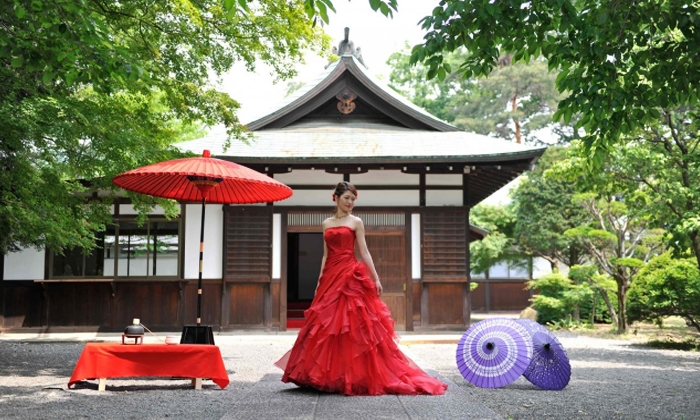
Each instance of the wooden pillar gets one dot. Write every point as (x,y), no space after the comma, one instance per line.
(408,281)
(424,305)
(421,189)
(283,272)
(225,290)
(2,291)
(466,295)
(487,292)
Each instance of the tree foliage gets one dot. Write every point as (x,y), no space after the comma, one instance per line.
(513,103)
(92,89)
(619,240)
(544,210)
(619,62)
(557,297)
(600,285)
(318,9)
(662,157)
(666,287)
(497,246)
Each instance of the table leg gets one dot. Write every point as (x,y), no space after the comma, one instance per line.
(102,384)
(197,383)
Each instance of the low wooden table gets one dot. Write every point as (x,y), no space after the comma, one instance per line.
(115,360)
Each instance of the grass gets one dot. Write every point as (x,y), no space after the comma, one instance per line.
(672,334)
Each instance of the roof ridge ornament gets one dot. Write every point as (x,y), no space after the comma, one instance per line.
(346,98)
(347,48)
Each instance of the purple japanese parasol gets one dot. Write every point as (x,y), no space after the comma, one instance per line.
(549,367)
(494,352)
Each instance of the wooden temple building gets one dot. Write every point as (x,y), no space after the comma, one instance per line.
(417,177)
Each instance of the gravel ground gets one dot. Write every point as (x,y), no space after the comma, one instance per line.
(610,380)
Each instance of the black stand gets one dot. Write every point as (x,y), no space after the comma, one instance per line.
(197,334)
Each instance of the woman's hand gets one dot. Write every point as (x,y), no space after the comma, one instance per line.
(380,289)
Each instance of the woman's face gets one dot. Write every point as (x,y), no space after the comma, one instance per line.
(346,201)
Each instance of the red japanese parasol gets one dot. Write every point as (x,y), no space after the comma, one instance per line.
(193,179)
(204,179)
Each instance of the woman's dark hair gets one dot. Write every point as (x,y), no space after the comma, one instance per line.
(344,186)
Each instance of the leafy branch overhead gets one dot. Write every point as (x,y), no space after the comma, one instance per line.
(92,89)
(619,62)
(319,8)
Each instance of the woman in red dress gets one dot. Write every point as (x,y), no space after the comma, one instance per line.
(348,344)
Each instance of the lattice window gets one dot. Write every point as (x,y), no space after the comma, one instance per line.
(369,219)
(248,240)
(445,244)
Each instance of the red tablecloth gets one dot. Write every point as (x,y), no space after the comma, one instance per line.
(111,360)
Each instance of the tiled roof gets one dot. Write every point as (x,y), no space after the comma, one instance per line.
(360,139)
(335,71)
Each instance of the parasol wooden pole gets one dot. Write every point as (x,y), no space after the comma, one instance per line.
(201,258)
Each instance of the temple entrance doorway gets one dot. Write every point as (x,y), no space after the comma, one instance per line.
(305,251)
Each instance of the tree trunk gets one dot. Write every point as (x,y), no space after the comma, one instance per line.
(695,238)
(692,322)
(595,301)
(622,319)
(606,299)
(514,103)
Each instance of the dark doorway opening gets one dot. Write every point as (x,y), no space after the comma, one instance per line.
(305,251)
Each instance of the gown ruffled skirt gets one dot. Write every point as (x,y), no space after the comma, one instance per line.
(348,344)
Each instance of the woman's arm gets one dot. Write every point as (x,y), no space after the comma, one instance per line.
(364,253)
(323,263)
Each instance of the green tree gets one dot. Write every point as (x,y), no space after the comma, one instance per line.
(557,297)
(619,240)
(514,102)
(666,287)
(91,89)
(318,9)
(663,158)
(619,62)
(498,245)
(600,285)
(544,210)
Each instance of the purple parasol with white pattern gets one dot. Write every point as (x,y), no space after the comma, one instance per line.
(494,352)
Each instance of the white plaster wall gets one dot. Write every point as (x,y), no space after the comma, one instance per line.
(375,198)
(309,177)
(368,198)
(128,209)
(213,241)
(382,177)
(443,179)
(436,198)
(27,264)
(415,246)
(309,198)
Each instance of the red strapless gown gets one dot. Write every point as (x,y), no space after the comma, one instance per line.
(347,344)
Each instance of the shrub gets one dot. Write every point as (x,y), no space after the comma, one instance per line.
(665,287)
(551,301)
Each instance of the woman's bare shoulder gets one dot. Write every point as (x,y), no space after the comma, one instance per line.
(356,222)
